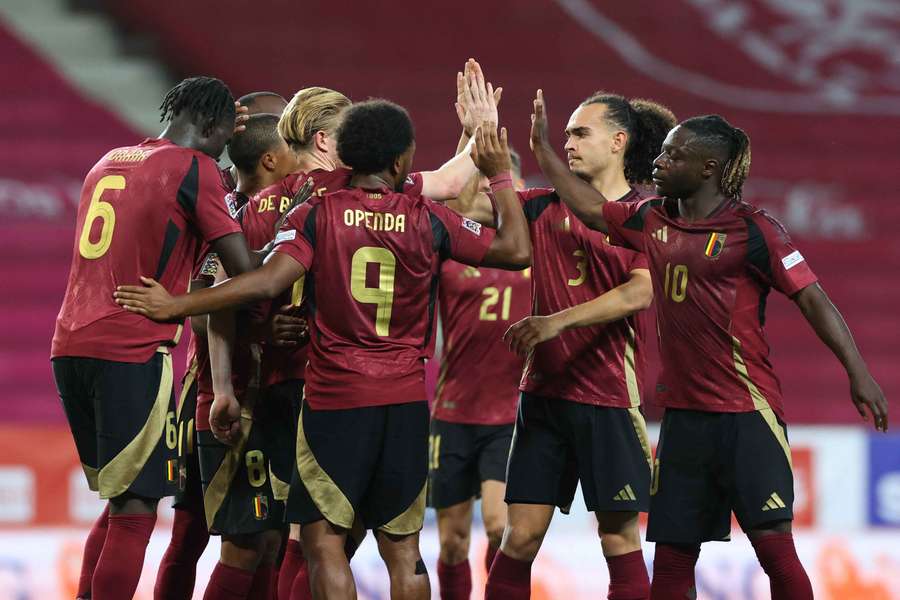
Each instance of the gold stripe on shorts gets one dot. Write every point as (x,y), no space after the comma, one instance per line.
(280,489)
(640,428)
(409,521)
(325,493)
(118,474)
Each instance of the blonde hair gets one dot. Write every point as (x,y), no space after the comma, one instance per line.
(311,110)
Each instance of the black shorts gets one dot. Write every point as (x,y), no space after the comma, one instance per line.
(122,416)
(285,398)
(461,456)
(189,494)
(241,493)
(557,442)
(710,464)
(366,463)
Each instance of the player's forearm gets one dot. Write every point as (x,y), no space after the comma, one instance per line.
(831,328)
(448,181)
(463,143)
(234,254)
(221,334)
(243,289)
(511,248)
(581,198)
(198,322)
(618,303)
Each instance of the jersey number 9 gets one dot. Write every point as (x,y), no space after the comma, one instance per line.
(383,295)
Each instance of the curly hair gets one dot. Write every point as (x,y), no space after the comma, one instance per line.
(373,134)
(646,123)
(720,136)
(207,99)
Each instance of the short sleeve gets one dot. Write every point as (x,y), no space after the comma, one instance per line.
(625,223)
(457,237)
(413,184)
(638,261)
(209,210)
(774,258)
(297,237)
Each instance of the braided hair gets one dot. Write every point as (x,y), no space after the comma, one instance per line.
(720,136)
(647,124)
(207,99)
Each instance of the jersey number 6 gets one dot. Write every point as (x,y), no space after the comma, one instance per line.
(98,209)
(383,295)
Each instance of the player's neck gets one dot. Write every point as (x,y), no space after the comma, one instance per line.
(251,183)
(373,181)
(611,183)
(700,206)
(310,161)
(186,136)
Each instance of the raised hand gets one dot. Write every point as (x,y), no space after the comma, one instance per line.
(866,394)
(539,138)
(490,152)
(523,336)
(225,419)
(288,329)
(151,300)
(476,101)
(241,116)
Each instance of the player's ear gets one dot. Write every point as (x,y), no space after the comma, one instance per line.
(619,141)
(320,141)
(269,161)
(710,168)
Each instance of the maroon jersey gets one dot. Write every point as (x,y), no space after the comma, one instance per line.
(479,378)
(144,210)
(372,259)
(601,365)
(710,279)
(258,221)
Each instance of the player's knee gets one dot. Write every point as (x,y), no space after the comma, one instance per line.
(270,547)
(522,542)
(132,504)
(241,551)
(494,524)
(454,544)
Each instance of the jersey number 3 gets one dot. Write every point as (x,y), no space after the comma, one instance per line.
(383,295)
(98,209)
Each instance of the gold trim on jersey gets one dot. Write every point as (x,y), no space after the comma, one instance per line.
(119,473)
(325,493)
(640,428)
(280,489)
(634,392)
(409,521)
(92,474)
(217,489)
(759,401)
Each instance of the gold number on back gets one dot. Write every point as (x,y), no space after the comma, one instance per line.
(98,209)
(383,295)
(677,280)
(491,298)
(581,265)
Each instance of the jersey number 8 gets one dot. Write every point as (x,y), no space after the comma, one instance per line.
(98,209)
(383,295)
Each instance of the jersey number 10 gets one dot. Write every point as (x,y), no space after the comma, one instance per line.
(675,285)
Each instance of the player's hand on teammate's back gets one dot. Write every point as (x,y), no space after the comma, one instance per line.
(866,393)
(225,419)
(288,329)
(241,116)
(490,153)
(539,137)
(523,336)
(476,101)
(151,300)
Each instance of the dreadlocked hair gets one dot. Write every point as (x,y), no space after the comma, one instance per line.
(646,122)
(721,136)
(207,99)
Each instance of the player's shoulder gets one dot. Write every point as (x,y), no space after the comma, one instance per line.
(538,193)
(760,218)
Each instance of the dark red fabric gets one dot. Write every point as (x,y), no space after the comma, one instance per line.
(265,583)
(119,568)
(509,579)
(673,572)
(787,577)
(291,564)
(178,568)
(228,583)
(93,546)
(628,578)
(455,581)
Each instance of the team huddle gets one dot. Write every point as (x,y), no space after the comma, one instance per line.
(315,273)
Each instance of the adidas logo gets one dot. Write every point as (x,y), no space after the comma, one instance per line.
(625,494)
(661,234)
(774,502)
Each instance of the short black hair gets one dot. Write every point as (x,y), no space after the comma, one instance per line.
(733,144)
(373,134)
(207,99)
(249,99)
(247,147)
